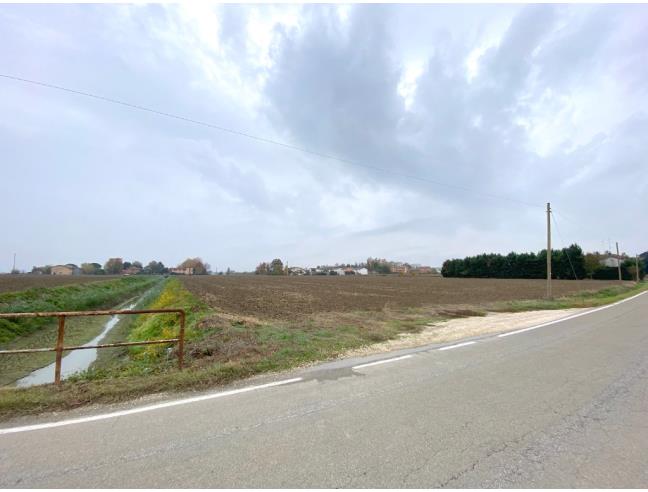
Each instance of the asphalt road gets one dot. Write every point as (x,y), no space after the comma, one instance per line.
(564,405)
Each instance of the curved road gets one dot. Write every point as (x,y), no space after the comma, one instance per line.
(564,405)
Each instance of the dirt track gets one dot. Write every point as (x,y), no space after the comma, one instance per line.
(293,297)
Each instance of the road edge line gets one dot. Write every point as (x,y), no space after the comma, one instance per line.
(148,408)
(383,361)
(573,316)
(457,345)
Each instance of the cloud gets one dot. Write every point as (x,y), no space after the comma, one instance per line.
(534,103)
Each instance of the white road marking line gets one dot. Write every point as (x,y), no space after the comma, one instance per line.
(449,347)
(501,335)
(148,408)
(385,361)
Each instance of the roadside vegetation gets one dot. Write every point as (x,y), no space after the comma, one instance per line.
(585,299)
(223,345)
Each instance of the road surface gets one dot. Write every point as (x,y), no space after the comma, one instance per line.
(563,405)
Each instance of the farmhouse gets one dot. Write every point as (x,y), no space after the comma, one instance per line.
(69,269)
(182,271)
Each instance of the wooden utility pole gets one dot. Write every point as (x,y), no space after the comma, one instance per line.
(637,266)
(548,250)
(13,270)
(618,261)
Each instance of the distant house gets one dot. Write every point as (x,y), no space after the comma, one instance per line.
(402,268)
(297,271)
(349,271)
(362,271)
(181,271)
(69,269)
(131,270)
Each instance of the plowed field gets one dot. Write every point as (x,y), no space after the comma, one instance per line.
(293,297)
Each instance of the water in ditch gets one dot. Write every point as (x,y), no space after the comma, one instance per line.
(75,361)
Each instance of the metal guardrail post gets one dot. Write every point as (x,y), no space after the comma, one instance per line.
(181,341)
(59,349)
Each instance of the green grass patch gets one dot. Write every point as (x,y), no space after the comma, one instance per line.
(79,297)
(78,330)
(583,299)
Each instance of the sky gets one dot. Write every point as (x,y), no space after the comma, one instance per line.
(452,125)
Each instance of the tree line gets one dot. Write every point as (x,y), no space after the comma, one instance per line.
(274,267)
(118,266)
(566,263)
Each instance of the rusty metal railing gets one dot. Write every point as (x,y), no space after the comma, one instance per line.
(60,348)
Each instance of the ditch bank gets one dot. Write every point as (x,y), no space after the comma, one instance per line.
(26,333)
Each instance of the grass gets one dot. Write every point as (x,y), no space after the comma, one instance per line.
(106,294)
(222,348)
(77,332)
(78,297)
(583,299)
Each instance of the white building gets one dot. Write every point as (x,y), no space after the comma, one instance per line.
(611,261)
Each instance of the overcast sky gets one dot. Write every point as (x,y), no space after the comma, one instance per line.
(527,103)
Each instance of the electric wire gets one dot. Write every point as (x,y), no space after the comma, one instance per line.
(566,248)
(265,140)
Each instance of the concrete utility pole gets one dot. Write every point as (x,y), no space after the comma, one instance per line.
(548,250)
(14,264)
(618,261)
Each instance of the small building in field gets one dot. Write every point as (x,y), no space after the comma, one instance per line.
(297,271)
(69,269)
(611,261)
(182,271)
(132,270)
(362,271)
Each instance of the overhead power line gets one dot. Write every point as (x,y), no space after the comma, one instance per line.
(266,140)
(565,246)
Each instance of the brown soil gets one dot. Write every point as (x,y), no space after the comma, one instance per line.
(290,298)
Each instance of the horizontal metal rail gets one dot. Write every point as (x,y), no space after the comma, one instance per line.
(68,314)
(60,348)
